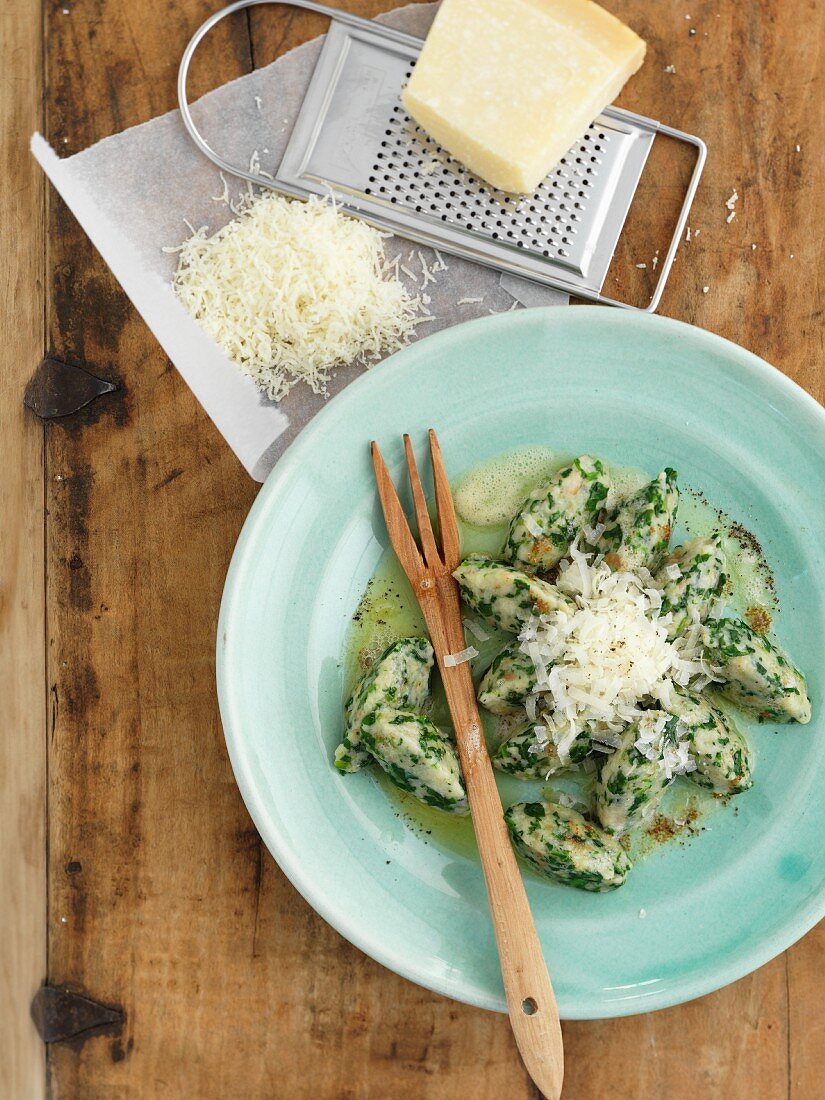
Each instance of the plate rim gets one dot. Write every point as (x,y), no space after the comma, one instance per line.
(286,856)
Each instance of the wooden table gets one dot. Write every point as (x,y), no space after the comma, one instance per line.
(154,894)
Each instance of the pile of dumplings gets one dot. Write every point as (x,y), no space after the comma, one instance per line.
(386,723)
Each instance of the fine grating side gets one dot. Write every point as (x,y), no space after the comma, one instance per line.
(414,171)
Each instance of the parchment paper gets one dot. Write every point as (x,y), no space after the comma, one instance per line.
(134,192)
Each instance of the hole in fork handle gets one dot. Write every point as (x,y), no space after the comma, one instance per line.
(529,1006)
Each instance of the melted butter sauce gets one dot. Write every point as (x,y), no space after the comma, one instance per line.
(486,498)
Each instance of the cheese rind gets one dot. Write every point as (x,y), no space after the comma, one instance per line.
(508,86)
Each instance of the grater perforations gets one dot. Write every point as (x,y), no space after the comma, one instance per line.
(413,171)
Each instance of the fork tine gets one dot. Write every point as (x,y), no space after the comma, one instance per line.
(450,541)
(398,529)
(425,527)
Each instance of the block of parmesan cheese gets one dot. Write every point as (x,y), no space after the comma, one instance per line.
(508,86)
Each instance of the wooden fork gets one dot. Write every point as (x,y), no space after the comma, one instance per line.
(530,1000)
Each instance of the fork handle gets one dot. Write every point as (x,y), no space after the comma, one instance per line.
(531,1003)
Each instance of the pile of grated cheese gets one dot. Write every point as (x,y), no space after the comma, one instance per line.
(604,664)
(291,290)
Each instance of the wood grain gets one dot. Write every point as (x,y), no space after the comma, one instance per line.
(232,986)
(22,576)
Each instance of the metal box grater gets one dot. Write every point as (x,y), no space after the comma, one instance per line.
(352,136)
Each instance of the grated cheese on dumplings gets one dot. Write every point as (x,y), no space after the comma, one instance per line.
(656,743)
(291,290)
(602,665)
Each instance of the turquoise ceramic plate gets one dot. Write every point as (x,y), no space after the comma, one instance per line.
(639,390)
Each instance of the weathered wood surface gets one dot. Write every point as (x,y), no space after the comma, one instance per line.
(22,575)
(161,898)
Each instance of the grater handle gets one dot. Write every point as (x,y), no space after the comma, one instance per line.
(702,156)
(681,221)
(687,202)
(204,29)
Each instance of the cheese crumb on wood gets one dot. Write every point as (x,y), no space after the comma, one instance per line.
(509,86)
(291,290)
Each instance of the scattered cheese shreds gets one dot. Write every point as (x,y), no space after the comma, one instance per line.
(291,290)
(453,659)
(477,631)
(426,273)
(532,527)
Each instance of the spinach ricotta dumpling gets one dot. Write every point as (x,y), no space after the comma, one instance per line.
(417,757)
(692,577)
(508,681)
(758,675)
(630,784)
(637,534)
(399,678)
(564,846)
(719,750)
(555,513)
(526,757)
(506,597)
